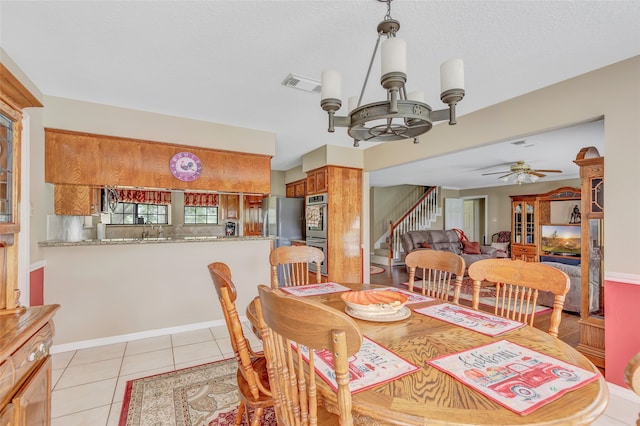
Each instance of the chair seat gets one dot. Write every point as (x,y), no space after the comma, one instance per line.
(260,368)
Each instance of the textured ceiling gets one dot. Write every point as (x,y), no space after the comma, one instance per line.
(224,61)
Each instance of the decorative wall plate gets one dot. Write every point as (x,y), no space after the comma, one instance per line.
(185,166)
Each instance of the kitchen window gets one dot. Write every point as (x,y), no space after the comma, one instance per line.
(133,213)
(201,215)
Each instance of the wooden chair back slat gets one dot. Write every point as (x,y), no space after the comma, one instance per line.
(517,285)
(437,269)
(285,321)
(291,263)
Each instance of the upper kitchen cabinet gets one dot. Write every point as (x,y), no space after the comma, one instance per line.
(76,200)
(297,189)
(317,181)
(230,204)
(73,158)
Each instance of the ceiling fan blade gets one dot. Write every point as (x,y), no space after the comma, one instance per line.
(508,174)
(535,173)
(548,171)
(496,173)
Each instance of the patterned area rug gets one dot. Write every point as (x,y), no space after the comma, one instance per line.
(206,395)
(375,270)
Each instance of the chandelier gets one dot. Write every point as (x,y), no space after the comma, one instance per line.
(400,116)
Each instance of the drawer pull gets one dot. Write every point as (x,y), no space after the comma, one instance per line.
(38,354)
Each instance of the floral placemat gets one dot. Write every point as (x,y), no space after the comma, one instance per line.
(482,322)
(413,297)
(371,366)
(518,378)
(315,289)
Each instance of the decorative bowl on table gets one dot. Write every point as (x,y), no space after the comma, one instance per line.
(379,305)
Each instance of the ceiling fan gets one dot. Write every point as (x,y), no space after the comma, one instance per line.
(522,172)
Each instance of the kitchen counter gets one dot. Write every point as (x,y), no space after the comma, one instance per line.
(150,240)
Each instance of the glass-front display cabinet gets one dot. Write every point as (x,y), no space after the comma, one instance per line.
(523,235)
(592,313)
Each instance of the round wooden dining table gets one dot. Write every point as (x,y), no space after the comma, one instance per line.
(432,397)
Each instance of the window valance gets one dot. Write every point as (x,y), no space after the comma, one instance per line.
(200,199)
(144,197)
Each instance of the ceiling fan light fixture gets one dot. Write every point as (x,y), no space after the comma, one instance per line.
(400,116)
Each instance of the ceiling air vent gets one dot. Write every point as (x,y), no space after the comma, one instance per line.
(302,83)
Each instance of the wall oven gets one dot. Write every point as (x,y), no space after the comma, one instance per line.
(319,243)
(316,215)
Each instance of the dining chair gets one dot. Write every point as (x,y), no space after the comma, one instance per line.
(286,320)
(436,268)
(290,265)
(517,284)
(632,376)
(252,377)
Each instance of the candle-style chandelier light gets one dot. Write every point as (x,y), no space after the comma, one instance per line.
(401,116)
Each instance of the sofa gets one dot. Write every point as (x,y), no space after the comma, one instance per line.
(445,240)
(572,298)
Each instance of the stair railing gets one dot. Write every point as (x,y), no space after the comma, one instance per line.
(418,217)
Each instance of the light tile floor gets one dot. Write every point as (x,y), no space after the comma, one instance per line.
(89,384)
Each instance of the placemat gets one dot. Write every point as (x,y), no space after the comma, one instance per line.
(482,322)
(371,366)
(315,289)
(518,378)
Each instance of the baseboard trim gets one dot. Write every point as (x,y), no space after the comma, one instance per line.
(85,344)
(623,392)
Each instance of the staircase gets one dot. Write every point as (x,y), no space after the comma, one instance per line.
(420,216)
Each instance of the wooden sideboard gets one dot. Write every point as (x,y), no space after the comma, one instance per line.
(25,366)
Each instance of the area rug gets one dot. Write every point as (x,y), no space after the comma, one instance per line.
(487,294)
(206,395)
(375,270)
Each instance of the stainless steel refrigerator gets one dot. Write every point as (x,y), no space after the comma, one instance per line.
(284,218)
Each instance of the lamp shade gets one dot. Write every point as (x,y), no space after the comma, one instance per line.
(418,95)
(331,84)
(451,75)
(394,55)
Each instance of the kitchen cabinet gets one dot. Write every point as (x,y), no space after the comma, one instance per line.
(344,216)
(297,189)
(253,215)
(76,200)
(230,206)
(318,181)
(592,303)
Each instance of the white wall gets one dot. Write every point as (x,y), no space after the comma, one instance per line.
(610,92)
(113,290)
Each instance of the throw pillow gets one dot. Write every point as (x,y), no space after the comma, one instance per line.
(424,245)
(471,247)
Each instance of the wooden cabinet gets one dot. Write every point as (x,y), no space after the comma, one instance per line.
(592,312)
(230,206)
(297,189)
(76,200)
(523,225)
(25,366)
(344,216)
(253,215)
(14,97)
(318,181)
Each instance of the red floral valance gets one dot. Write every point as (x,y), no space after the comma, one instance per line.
(144,197)
(200,199)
